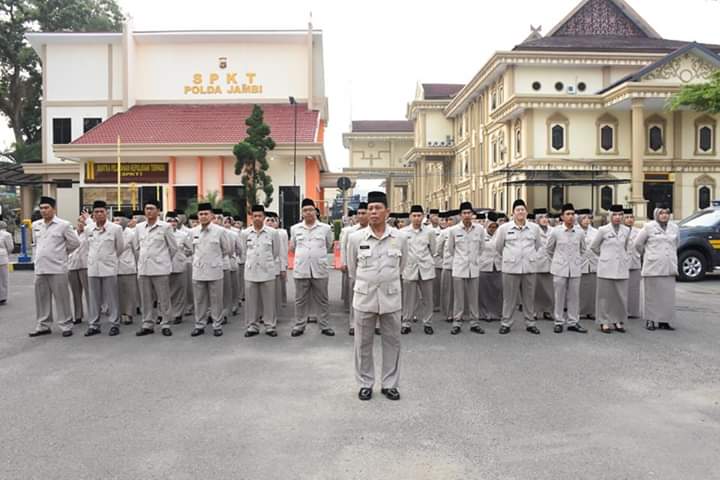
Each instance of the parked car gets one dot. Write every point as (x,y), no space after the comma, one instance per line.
(699,244)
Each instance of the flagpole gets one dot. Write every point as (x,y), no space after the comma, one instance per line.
(119,201)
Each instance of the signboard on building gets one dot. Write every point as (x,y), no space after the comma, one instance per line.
(129,172)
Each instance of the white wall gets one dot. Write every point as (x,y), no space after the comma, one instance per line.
(76,115)
(438,127)
(77,72)
(548,76)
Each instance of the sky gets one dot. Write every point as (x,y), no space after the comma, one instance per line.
(377,51)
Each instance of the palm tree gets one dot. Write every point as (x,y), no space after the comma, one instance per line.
(213,198)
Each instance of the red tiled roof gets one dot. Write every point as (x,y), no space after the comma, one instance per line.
(221,123)
(381,126)
(441,91)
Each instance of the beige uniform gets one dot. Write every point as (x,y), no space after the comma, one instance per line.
(634,292)
(518,246)
(261,250)
(566,250)
(210,245)
(376,264)
(78,275)
(53,240)
(6,248)
(128,295)
(311,244)
(588,281)
(156,248)
(465,245)
(613,270)
(660,266)
(349,282)
(419,275)
(105,245)
(543,278)
(178,275)
(446,282)
(282,266)
(490,293)
(438,261)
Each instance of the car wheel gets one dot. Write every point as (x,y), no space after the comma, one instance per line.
(693,266)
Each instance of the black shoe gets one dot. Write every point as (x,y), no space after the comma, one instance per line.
(650,325)
(114,331)
(477,329)
(620,328)
(665,326)
(429,330)
(391,393)
(92,331)
(251,333)
(144,331)
(577,329)
(209,321)
(67,333)
(197,331)
(77,321)
(224,321)
(547,316)
(454,330)
(177,321)
(167,332)
(328,332)
(39,333)
(504,330)
(351,332)
(218,332)
(296,333)
(3,302)
(365,394)
(605,329)
(591,317)
(559,329)
(158,321)
(271,333)
(405,330)
(533,330)
(448,320)
(377,331)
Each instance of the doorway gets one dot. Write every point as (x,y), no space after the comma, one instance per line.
(656,193)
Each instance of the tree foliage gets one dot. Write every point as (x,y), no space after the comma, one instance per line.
(704,97)
(213,198)
(251,159)
(20,69)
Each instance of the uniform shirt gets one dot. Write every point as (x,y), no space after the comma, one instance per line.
(635,257)
(78,258)
(542,262)
(442,247)
(465,246)
(613,248)
(127,261)
(105,244)
(311,244)
(376,264)
(660,247)
(53,242)
(233,238)
(184,250)
(6,247)
(188,232)
(344,236)
(438,255)
(261,250)
(490,260)
(518,247)
(420,261)
(591,260)
(156,247)
(210,245)
(281,264)
(566,250)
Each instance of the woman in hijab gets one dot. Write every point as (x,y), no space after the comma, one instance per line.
(658,242)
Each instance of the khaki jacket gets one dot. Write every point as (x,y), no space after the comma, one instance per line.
(490,260)
(613,249)
(78,259)
(465,246)
(566,250)
(420,262)
(104,248)
(660,249)
(210,245)
(261,250)
(518,247)
(156,248)
(591,260)
(184,250)
(311,245)
(542,263)
(127,262)
(52,244)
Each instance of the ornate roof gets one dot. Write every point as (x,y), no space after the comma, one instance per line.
(604,17)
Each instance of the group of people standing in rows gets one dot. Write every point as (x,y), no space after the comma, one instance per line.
(470,265)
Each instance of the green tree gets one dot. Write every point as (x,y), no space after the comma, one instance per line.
(252,164)
(703,97)
(20,69)
(213,198)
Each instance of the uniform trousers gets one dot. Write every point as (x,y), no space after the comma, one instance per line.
(102,299)
(311,291)
(128,294)
(567,296)
(364,338)
(466,301)
(518,287)
(447,300)
(178,291)
(256,294)
(208,300)
(47,288)
(418,301)
(158,287)
(78,281)
(437,290)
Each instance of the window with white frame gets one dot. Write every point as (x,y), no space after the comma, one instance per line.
(655,132)
(518,140)
(705,127)
(557,133)
(607,134)
(704,196)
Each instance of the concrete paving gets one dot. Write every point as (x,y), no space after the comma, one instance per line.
(645,405)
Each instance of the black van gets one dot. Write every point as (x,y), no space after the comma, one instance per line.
(699,244)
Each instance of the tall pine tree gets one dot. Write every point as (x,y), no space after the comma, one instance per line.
(252,164)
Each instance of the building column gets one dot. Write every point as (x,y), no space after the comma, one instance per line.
(637,200)
(172,175)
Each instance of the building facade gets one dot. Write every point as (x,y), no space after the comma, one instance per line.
(578,115)
(170,106)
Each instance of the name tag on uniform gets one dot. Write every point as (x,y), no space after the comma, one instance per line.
(364,247)
(511,232)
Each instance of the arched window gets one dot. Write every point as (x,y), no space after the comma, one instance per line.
(557,134)
(606,197)
(558,137)
(705,135)
(704,194)
(607,126)
(518,140)
(655,128)
(558,197)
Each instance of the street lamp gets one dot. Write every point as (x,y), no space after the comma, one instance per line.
(294,104)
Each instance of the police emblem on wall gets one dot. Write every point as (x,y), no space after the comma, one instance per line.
(223,62)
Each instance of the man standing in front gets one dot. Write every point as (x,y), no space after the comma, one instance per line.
(518,242)
(261,248)
(54,239)
(156,247)
(210,245)
(419,273)
(311,241)
(566,250)
(465,244)
(376,258)
(105,245)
